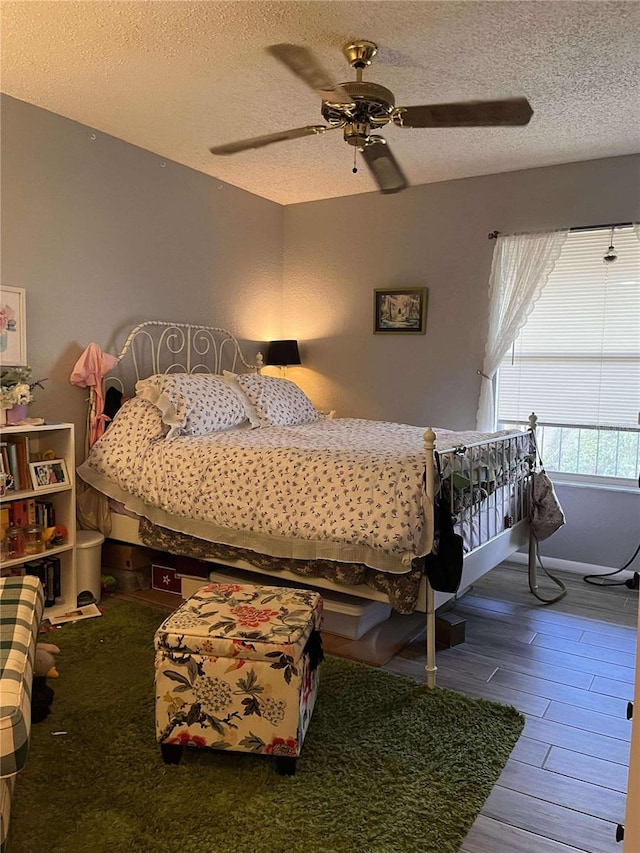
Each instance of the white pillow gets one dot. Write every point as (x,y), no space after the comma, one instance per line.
(249,408)
(193,403)
(278,402)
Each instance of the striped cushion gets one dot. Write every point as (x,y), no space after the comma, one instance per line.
(21,606)
(6,790)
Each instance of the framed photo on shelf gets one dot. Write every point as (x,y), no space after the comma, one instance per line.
(13,326)
(401,311)
(52,472)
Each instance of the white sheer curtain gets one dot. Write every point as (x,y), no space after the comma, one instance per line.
(520,269)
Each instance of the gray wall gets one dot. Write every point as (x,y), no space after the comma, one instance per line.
(337,251)
(102,235)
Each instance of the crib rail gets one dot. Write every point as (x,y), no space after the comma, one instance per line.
(487,485)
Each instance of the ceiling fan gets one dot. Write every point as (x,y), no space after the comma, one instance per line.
(358,108)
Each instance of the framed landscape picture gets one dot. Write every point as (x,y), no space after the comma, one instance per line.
(401,311)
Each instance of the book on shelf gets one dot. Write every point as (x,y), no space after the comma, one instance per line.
(50,583)
(57,582)
(37,569)
(47,569)
(45,513)
(12,464)
(5,467)
(21,454)
(22,512)
(5,519)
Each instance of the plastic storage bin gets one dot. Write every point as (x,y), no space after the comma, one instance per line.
(89,563)
(344,615)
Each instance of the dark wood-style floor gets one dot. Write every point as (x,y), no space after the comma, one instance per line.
(569,668)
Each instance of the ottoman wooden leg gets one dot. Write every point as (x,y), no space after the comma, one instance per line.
(171,753)
(285,765)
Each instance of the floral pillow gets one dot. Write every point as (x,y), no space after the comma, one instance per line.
(278,402)
(193,403)
(127,438)
(249,408)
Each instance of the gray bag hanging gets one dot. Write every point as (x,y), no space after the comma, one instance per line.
(547,516)
(546,513)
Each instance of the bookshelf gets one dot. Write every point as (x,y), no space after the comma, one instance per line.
(55,441)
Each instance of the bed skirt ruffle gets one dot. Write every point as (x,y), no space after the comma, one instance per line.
(401,589)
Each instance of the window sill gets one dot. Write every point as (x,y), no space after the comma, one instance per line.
(605,484)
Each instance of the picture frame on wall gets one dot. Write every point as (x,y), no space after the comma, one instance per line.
(400,311)
(13,327)
(48,473)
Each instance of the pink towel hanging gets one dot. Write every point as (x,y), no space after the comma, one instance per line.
(88,372)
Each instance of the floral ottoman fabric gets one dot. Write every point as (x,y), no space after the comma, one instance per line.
(237,668)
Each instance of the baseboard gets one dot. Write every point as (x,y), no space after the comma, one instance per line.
(555,564)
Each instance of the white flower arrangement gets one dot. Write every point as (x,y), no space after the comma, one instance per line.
(16,386)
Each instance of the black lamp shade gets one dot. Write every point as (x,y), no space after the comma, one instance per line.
(283,353)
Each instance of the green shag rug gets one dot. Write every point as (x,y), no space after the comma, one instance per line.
(387,765)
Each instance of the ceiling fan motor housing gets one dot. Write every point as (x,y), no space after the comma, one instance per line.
(373,105)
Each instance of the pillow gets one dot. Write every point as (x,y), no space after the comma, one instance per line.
(278,402)
(127,438)
(193,403)
(137,416)
(249,408)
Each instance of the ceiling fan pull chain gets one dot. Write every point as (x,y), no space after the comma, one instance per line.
(355,168)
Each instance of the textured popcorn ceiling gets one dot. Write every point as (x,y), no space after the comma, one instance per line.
(177,77)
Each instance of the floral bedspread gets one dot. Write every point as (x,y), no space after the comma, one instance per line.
(347,489)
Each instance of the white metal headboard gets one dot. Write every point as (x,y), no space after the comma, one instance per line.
(156,346)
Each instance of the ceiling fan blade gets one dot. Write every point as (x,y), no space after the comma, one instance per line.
(510,112)
(383,166)
(303,63)
(261,141)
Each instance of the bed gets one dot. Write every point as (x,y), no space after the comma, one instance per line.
(208,457)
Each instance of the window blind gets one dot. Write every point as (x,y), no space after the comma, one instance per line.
(576,362)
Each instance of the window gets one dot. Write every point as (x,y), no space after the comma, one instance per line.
(576,362)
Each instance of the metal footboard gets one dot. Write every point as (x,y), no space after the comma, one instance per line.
(487,485)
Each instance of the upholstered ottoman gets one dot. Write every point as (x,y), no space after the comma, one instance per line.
(237,668)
